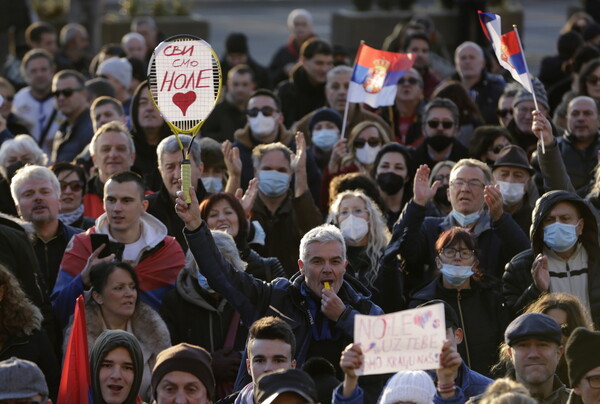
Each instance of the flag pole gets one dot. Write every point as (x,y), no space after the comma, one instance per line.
(343,134)
(537,108)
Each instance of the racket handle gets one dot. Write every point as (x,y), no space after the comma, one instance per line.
(186,179)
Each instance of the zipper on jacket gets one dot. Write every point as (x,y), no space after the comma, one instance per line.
(458,298)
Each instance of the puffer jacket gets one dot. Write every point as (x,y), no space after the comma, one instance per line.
(517,283)
(482,315)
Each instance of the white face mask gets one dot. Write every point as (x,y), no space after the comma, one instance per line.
(261,126)
(367,154)
(512,193)
(354,228)
(212,184)
(456,275)
(324,139)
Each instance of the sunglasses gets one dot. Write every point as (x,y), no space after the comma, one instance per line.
(592,79)
(75,186)
(67,92)
(411,80)
(266,111)
(503,113)
(496,149)
(436,124)
(360,143)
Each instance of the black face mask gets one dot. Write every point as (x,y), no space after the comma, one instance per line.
(439,142)
(441,195)
(390,183)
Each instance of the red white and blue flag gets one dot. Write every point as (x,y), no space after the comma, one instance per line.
(75,382)
(376,74)
(507,48)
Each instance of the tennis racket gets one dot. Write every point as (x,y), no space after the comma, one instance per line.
(184,78)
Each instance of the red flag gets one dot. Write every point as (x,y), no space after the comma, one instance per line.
(75,381)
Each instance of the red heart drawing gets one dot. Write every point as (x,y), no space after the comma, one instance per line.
(184,100)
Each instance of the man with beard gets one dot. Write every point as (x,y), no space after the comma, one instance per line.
(36,192)
(440,126)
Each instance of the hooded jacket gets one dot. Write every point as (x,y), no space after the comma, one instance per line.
(146,160)
(517,282)
(157,264)
(282,298)
(106,342)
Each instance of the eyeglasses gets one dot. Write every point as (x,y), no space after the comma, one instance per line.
(411,80)
(67,92)
(360,143)
(435,124)
(75,186)
(266,111)
(592,79)
(471,184)
(502,113)
(496,149)
(594,381)
(464,253)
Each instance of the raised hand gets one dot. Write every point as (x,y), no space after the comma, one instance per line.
(493,199)
(540,273)
(92,261)
(188,212)
(421,190)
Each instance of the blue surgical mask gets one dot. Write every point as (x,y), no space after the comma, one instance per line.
(203,282)
(560,236)
(456,275)
(273,183)
(212,184)
(464,220)
(325,139)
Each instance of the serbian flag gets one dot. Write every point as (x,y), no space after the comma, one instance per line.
(507,48)
(75,381)
(376,74)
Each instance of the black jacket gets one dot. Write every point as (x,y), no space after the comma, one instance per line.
(482,314)
(299,96)
(517,282)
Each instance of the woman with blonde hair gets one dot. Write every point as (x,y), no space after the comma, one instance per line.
(366,235)
(506,391)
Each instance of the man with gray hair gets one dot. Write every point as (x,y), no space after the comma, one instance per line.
(112,150)
(284,213)
(440,128)
(484,87)
(36,192)
(22,381)
(498,235)
(74,47)
(318,301)
(160,203)
(134,45)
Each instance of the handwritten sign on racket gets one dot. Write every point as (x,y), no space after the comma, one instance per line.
(405,340)
(184,78)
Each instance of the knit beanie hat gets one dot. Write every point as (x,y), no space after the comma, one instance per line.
(104,344)
(580,354)
(540,94)
(409,386)
(119,68)
(325,114)
(184,358)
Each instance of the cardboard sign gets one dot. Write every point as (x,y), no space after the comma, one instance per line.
(405,340)
(184,75)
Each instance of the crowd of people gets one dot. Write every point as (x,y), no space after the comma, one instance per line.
(462,193)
